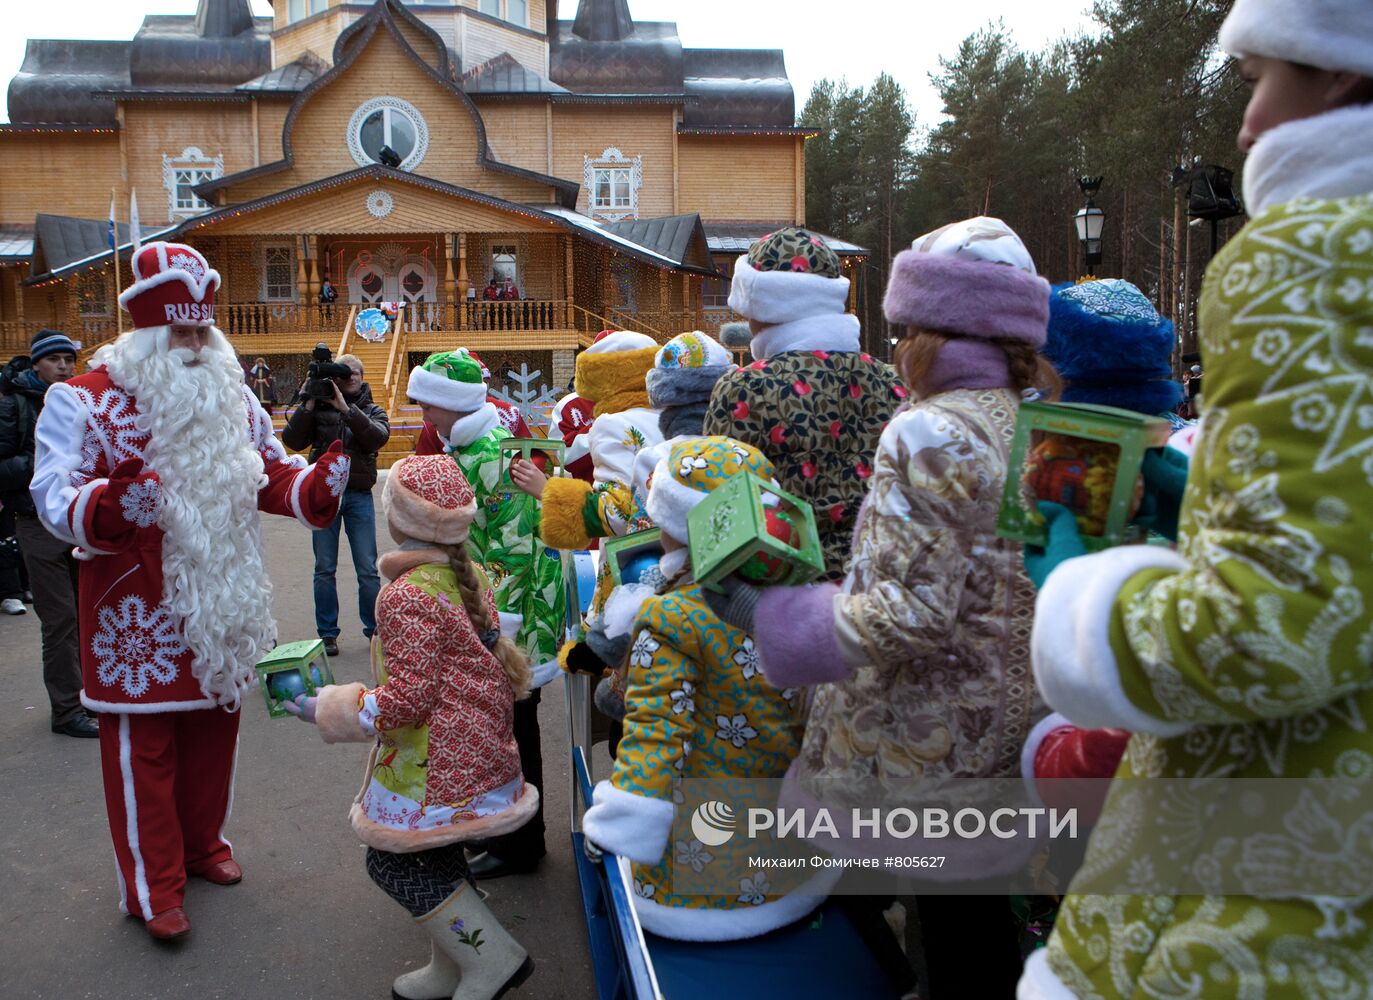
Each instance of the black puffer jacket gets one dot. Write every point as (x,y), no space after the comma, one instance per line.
(20,404)
(364,431)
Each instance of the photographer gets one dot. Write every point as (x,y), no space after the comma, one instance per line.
(337,406)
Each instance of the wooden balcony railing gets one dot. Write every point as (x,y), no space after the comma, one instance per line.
(279,317)
(15,336)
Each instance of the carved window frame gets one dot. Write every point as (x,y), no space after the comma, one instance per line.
(393,104)
(201,168)
(613,159)
(262,250)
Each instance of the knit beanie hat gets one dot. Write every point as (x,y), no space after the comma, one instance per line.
(611,371)
(427,498)
(972,278)
(685,370)
(1335,35)
(787,276)
(692,468)
(451,380)
(1112,347)
(47,342)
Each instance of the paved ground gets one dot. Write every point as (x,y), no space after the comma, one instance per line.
(306,922)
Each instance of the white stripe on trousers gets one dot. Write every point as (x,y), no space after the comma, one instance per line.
(229,806)
(140,875)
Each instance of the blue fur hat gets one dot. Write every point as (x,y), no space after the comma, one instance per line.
(1112,347)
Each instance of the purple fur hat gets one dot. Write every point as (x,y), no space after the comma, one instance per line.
(973,278)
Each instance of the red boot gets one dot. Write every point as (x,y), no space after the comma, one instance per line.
(169,924)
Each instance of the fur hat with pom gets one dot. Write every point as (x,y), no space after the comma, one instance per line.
(1111,347)
(428,499)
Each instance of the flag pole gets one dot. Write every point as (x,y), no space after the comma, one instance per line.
(114,252)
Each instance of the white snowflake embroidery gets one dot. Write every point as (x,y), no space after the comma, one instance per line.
(641,655)
(134,648)
(141,503)
(747,659)
(735,731)
(337,478)
(187,263)
(693,853)
(682,701)
(754,889)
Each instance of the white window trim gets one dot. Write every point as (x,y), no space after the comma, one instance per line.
(103,303)
(502,12)
(612,157)
(191,158)
(520,246)
(312,7)
(290,247)
(365,111)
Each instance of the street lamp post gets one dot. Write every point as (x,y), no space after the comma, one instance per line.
(1090,222)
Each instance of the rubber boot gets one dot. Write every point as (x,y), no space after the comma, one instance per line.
(489,961)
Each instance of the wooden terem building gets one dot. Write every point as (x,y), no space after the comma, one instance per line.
(611,172)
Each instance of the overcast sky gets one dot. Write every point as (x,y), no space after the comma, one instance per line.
(856,40)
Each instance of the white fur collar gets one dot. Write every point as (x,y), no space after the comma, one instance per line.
(1328,156)
(474,425)
(815,333)
(784,296)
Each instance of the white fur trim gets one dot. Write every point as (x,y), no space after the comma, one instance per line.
(84,496)
(511,623)
(475,425)
(622,340)
(1325,156)
(632,826)
(784,296)
(1041,729)
(168,273)
(294,497)
(670,501)
(812,333)
(151,708)
(229,806)
(442,391)
(1329,34)
(1075,668)
(140,875)
(622,608)
(1038,981)
(578,449)
(688,923)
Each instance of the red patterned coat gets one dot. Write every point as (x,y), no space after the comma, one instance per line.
(134,657)
(445,767)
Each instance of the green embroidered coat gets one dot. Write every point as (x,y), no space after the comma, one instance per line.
(1248,654)
(527,576)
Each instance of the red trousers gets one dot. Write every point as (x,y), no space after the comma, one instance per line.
(169,785)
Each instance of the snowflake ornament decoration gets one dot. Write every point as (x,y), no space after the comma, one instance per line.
(134,648)
(185,262)
(141,503)
(337,478)
(533,400)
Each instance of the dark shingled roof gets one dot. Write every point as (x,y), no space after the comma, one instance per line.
(680,237)
(289,79)
(604,51)
(221,45)
(737,237)
(60,240)
(503,75)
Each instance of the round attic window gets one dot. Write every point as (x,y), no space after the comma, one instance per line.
(388,121)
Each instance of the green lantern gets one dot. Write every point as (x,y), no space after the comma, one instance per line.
(1088,459)
(291,670)
(735,528)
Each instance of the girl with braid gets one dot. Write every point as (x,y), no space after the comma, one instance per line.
(919,662)
(445,769)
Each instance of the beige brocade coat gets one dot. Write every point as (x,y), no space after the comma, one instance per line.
(937,610)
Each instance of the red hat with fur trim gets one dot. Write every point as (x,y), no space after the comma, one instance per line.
(173,283)
(428,499)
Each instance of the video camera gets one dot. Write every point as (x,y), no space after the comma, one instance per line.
(323,372)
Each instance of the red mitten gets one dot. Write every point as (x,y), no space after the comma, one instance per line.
(131,499)
(1078,765)
(328,480)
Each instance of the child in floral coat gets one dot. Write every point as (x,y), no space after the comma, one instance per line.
(920,658)
(1246,654)
(697,707)
(445,769)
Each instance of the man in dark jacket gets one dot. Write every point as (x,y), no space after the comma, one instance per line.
(52,570)
(353,418)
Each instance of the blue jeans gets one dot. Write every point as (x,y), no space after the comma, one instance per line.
(358,517)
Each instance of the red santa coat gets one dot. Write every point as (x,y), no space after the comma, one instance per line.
(133,655)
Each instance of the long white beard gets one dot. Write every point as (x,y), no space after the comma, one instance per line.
(214,580)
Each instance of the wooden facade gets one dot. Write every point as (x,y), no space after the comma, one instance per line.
(282,200)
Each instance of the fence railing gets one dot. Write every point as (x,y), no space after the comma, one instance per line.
(15,336)
(239,318)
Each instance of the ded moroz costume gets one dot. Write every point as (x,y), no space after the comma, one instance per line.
(150,465)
